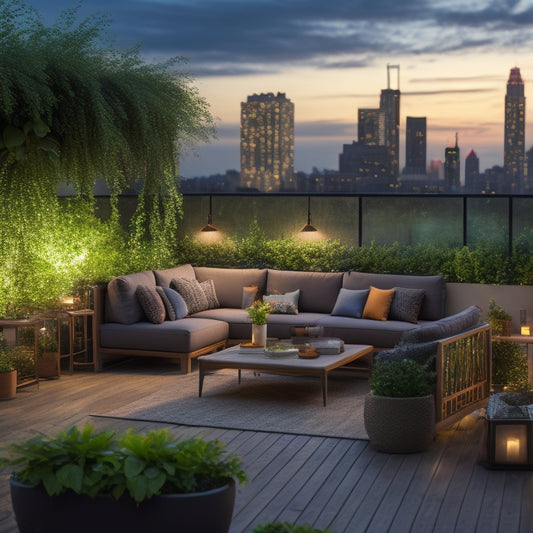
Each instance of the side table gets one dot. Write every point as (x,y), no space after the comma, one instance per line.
(35,323)
(84,314)
(520,339)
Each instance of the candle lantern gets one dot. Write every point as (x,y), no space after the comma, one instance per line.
(525,329)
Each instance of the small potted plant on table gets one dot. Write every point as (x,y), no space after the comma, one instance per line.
(399,412)
(258,312)
(105,482)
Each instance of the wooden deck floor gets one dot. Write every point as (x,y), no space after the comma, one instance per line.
(326,482)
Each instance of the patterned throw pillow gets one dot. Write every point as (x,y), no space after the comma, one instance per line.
(198,296)
(151,304)
(208,286)
(284,303)
(406,304)
(171,314)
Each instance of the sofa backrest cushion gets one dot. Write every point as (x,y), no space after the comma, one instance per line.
(229,282)
(122,304)
(163,278)
(434,289)
(318,290)
(443,328)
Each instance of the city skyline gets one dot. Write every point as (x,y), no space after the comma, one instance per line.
(330,59)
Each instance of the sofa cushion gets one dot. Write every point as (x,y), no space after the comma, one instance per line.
(446,327)
(350,303)
(433,305)
(378,304)
(229,282)
(169,308)
(177,336)
(406,304)
(122,304)
(165,277)
(424,353)
(318,290)
(151,303)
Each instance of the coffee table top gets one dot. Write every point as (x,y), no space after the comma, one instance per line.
(234,358)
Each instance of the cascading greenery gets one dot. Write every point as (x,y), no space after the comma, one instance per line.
(74,109)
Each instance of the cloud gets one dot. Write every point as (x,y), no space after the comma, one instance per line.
(448,91)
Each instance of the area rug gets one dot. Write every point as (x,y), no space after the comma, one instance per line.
(261,402)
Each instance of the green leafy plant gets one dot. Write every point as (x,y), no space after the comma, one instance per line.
(288,527)
(401,379)
(109,465)
(509,365)
(6,361)
(259,312)
(496,315)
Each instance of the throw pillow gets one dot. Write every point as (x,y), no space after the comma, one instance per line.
(406,304)
(249,295)
(287,298)
(171,313)
(350,303)
(378,303)
(208,286)
(177,301)
(152,305)
(192,293)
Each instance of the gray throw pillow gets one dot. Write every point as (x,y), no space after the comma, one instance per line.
(350,303)
(249,295)
(151,303)
(171,314)
(177,301)
(406,304)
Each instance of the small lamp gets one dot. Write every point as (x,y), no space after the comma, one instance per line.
(525,328)
(510,444)
(209,226)
(308,226)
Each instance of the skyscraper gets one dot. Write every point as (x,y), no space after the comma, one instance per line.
(452,168)
(267,142)
(368,126)
(514,141)
(472,178)
(390,108)
(415,145)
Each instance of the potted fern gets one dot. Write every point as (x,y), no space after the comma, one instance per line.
(101,481)
(399,412)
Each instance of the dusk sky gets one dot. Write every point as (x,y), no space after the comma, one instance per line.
(330,58)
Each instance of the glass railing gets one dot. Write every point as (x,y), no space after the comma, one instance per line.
(452,220)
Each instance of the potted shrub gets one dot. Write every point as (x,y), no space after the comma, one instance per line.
(499,319)
(48,364)
(101,481)
(399,412)
(258,313)
(8,374)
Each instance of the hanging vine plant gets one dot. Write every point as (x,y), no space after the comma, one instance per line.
(74,109)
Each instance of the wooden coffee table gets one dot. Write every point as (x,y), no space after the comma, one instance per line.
(290,366)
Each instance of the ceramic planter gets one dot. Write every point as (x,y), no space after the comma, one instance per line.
(259,334)
(400,425)
(8,385)
(35,510)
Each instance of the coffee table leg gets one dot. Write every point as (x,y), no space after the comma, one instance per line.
(201,378)
(239,376)
(324,387)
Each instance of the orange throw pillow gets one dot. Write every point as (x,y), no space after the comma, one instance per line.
(378,303)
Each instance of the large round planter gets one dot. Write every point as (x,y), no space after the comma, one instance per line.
(400,425)
(36,511)
(8,385)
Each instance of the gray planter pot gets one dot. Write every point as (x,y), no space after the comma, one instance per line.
(400,425)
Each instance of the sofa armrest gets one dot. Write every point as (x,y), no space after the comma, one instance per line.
(464,372)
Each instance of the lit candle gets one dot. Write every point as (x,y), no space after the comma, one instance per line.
(513,449)
(525,330)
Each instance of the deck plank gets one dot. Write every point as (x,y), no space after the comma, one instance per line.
(326,482)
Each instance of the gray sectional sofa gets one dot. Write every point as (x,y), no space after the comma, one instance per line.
(122,328)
